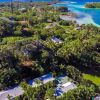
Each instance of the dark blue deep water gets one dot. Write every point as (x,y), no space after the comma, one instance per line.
(91,15)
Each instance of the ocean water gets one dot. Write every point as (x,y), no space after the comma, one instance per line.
(91,16)
(77,6)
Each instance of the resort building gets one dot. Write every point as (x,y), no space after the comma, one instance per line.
(78,28)
(17,91)
(56,40)
(44,79)
(7,19)
(51,25)
(68,86)
(23,9)
(97,97)
(63,85)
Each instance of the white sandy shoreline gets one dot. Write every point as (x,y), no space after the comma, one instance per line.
(85,20)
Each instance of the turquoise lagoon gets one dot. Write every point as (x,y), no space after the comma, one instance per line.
(88,15)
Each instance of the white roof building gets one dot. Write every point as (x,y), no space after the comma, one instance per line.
(64,85)
(56,40)
(17,91)
(68,86)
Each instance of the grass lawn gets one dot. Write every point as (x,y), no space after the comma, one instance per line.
(94,79)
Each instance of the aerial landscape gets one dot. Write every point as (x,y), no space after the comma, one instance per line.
(49,49)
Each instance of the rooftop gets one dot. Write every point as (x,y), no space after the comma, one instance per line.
(56,40)
(66,84)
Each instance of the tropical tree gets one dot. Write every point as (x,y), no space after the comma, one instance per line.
(74,73)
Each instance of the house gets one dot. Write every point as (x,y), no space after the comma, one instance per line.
(33,8)
(51,25)
(78,28)
(23,9)
(64,85)
(56,40)
(97,97)
(68,86)
(17,91)
(9,20)
(44,79)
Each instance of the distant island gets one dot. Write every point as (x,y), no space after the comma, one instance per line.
(93,5)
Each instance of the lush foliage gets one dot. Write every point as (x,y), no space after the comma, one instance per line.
(33,93)
(80,93)
(27,49)
(93,5)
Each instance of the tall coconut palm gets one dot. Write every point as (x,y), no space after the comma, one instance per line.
(31,1)
(11,5)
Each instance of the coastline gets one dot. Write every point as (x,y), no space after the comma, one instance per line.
(89,14)
(86,20)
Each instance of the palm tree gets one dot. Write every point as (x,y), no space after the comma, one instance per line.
(11,6)
(30,1)
(18,4)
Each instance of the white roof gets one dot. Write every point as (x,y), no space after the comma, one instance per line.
(17,91)
(66,84)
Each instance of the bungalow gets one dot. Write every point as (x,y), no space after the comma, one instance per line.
(7,19)
(68,86)
(97,97)
(44,79)
(33,8)
(56,40)
(78,28)
(23,9)
(51,25)
(64,85)
(17,91)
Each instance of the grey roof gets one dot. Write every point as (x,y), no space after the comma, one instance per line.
(64,85)
(12,92)
(6,19)
(70,87)
(57,40)
(97,97)
(17,91)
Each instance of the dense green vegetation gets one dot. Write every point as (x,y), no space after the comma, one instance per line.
(43,92)
(27,51)
(47,91)
(93,5)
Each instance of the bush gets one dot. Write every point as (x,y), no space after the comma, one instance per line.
(65,23)
(80,93)
(9,78)
(62,9)
(74,73)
